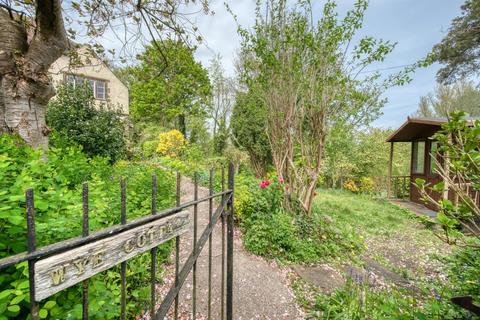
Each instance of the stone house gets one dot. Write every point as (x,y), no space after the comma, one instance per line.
(85,65)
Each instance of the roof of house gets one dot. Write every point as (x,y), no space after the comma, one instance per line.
(419,128)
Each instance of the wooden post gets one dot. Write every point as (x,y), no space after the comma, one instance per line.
(390,166)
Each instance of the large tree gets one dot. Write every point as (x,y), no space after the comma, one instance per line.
(461,96)
(33,34)
(169,89)
(223,97)
(308,74)
(459,51)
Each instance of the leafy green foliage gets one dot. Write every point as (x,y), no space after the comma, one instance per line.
(272,232)
(460,96)
(169,87)
(248,127)
(358,155)
(76,118)
(57,184)
(358,301)
(458,51)
(223,96)
(463,270)
(457,144)
(306,72)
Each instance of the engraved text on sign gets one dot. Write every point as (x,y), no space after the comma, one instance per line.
(61,271)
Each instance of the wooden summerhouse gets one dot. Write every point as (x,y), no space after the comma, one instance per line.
(417,131)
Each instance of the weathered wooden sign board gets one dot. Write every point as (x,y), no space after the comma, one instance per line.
(61,271)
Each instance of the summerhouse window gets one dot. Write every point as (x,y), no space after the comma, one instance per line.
(99,87)
(418,159)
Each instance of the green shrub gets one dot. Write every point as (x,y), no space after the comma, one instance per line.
(56,178)
(149,148)
(77,120)
(463,270)
(367,185)
(271,231)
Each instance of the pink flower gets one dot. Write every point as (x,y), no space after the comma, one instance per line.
(262,185)
(266,182)
(280,179)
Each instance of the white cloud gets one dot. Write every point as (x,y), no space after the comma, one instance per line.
(220,31)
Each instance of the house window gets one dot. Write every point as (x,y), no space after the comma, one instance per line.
(433,156)
(70,79)
(99,87)
(100,90)
(418,159)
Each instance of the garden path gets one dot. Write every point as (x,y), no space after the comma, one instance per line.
(261,288)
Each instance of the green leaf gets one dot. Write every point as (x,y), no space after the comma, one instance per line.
(23,285)
(439,187)
(17,299)
(14,308)
(43,313)
(50,304)
(420,182)
(5,293)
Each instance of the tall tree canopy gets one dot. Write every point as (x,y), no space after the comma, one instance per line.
(165,91)
(33,34)
(308,74)
(248,130)
(223,97)
(461,96)
(459,51)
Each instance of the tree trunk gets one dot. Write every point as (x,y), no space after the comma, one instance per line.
(25,87)
(182,125)
(23,114)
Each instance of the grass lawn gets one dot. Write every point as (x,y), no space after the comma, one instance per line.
(391,235)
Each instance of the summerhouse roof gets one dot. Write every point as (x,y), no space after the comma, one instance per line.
(419,128)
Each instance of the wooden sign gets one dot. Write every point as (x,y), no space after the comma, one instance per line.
(61,271)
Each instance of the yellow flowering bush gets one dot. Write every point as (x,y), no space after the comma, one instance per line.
(350,185)
(171,143)
(367,185)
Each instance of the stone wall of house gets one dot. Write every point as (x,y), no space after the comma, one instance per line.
(85,64)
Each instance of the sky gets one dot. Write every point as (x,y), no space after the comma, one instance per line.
(416,25)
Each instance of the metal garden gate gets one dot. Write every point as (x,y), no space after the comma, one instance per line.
(58,266)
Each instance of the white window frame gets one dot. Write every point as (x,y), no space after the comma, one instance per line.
(73,79)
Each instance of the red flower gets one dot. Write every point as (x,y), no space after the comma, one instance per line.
(266,182)
(262,185)
(280,179)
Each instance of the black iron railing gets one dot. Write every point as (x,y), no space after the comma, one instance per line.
(135,237)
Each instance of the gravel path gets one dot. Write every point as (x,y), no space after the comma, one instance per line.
(260,287)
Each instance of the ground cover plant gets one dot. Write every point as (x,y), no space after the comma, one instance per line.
(402,243)
(56,176)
